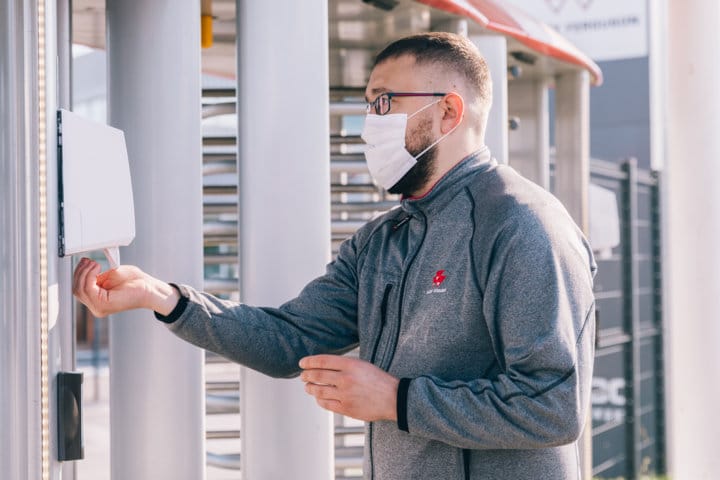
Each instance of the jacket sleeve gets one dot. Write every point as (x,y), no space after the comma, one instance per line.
(322,319)
(539,309)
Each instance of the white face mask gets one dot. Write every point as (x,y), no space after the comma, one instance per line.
(387,158)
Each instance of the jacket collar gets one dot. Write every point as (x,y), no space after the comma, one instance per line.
(447,187)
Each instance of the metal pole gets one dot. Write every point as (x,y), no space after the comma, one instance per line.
(530,143)
(61,272)
(572,140)
(284,178)
(156,380)
(659,322)
(20,340)
(631,314)
(572,179)
(657,66)
(494,50)
(693,230)
(61,323)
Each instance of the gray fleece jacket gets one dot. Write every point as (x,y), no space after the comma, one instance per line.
(478,296)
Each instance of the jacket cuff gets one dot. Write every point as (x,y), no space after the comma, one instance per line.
(177,311)
(402,404)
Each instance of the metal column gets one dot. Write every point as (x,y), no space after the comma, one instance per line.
(693,230)
(20,313)
(631,320)
(572,140)
(284,205)
(530,142)
(494,49)
(61,323)
(572,178)
(156,380)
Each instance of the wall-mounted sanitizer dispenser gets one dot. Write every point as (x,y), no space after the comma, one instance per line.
(96,200)
(96,213)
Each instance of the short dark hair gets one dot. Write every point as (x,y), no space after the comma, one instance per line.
(448,50)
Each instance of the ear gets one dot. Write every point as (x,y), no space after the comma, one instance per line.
(453,107)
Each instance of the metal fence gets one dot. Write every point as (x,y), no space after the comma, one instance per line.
(628,391)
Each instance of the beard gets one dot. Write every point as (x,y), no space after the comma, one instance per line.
(418,176)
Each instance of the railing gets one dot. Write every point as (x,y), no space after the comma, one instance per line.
(354,200)
(220,234)
(629,401)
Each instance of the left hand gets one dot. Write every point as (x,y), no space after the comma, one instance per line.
(122,288)
(350,387)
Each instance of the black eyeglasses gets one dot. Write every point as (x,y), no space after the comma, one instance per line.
(381,105)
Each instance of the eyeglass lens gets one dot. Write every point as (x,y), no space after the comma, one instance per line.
(381,105)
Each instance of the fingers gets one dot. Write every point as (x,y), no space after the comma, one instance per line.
(327,397)
(351,387)
(331,405)
(322,392)
(325,362)
(84,277)
(321,377)
(77,275)
(84,285)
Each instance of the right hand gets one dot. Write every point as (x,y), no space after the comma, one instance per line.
(123,288)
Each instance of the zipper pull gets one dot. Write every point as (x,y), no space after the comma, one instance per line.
(401,222)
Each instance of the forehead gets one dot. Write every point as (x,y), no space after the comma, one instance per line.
(399,74)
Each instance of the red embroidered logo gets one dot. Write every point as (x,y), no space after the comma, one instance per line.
(439,278)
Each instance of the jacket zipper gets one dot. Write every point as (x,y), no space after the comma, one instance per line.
(383,321)
(370,453)
(466,462)
(397,333)
(393,346)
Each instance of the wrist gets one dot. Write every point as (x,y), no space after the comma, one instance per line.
(163,297)
(392,404)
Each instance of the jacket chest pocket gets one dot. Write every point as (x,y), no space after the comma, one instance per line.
(375,314)
(382,321)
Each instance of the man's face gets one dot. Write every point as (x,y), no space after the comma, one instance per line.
(402,75)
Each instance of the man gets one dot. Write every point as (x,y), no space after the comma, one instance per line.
(472,303)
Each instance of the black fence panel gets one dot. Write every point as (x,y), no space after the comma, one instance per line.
(628,393)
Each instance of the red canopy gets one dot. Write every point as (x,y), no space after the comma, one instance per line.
(511,21)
